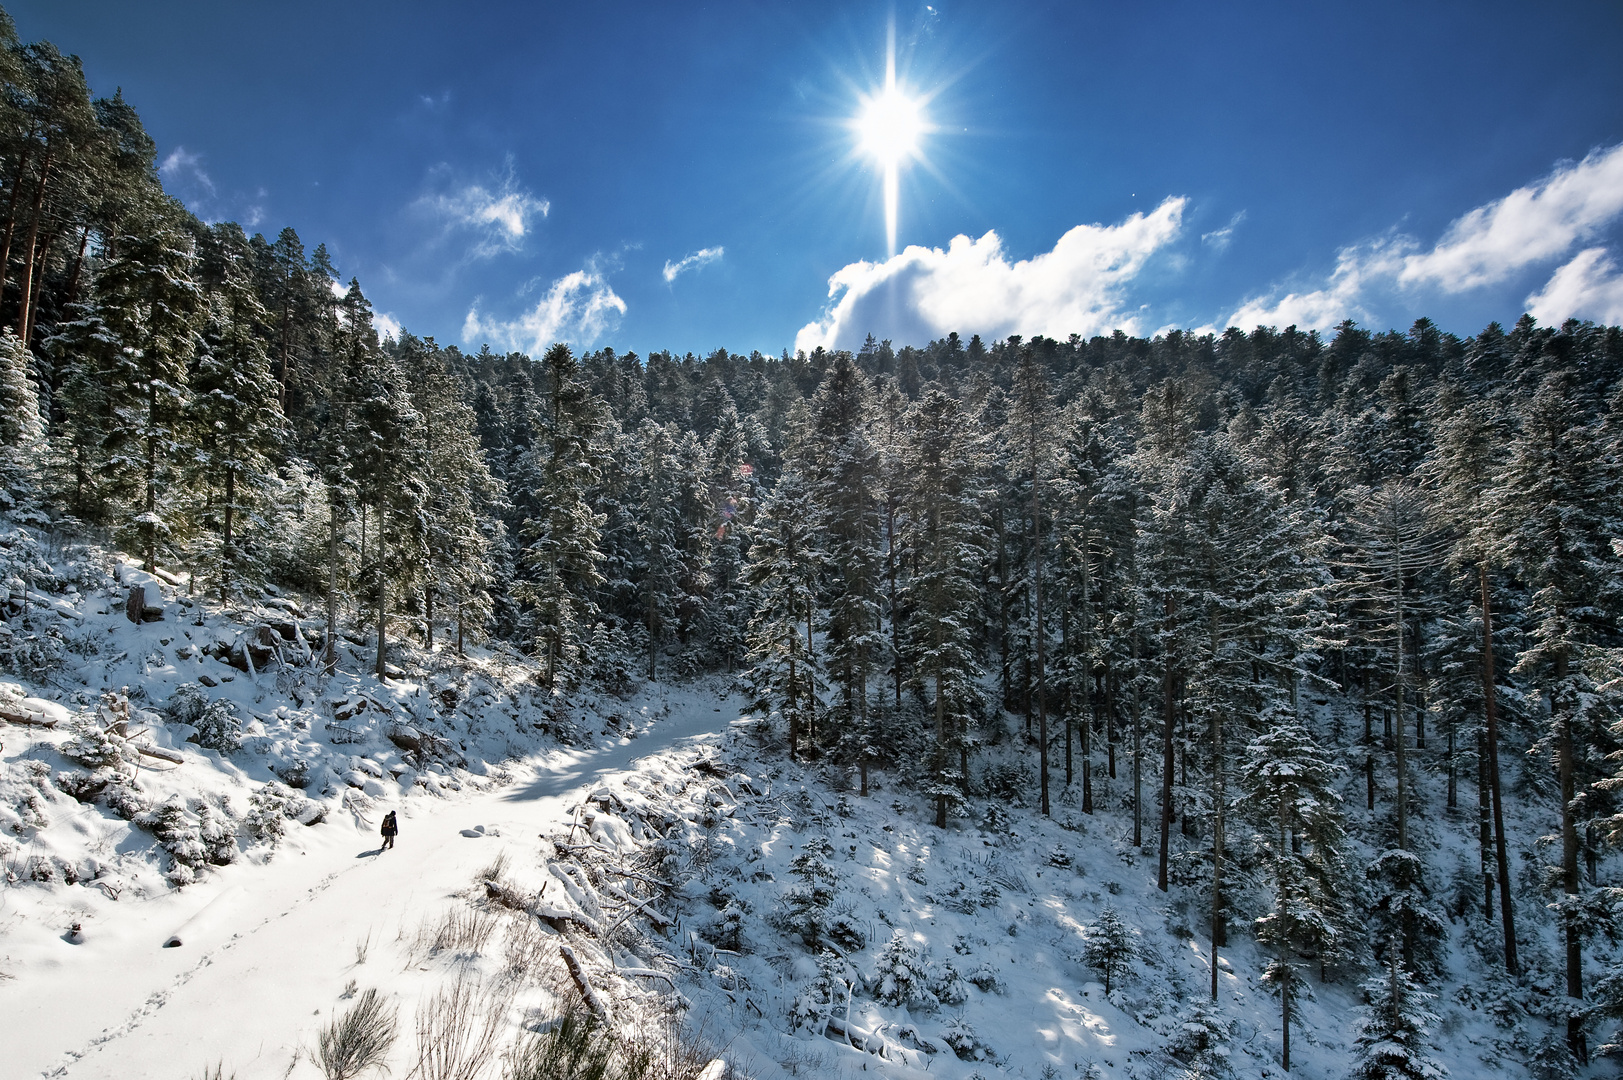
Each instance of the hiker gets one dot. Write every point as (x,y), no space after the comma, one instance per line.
(390,827)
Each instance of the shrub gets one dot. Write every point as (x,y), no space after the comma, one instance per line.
(218,727)
(359,1040)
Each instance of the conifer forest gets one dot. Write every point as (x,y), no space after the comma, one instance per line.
(1321,629)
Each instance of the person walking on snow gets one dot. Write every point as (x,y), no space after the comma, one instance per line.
(390,828)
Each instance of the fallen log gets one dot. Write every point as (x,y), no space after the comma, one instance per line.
(576,972)
(173,756)
(17,716)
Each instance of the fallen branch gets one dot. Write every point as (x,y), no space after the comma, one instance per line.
(162,754)
(28,718)
(576,972)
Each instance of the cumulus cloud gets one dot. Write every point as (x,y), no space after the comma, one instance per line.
(973,288)
(1588,287)
(1533,224)
(386,325)
(577,308)
(499,217)
(692,262)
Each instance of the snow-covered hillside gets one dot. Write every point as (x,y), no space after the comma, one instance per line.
(169,908)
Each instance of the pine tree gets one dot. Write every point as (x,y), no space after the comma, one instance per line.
(233,411)
(841,475)
(782,575)
(22,429)
(946,545)
(1392,1042)
(1110,949)
(1549,521)
(562,541)
(149,304)
(1289,784)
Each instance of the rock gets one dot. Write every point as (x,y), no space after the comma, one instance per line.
(208,680)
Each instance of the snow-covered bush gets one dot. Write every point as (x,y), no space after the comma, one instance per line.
(218,727)
(902,974)
(1200,1040)
(1109,948)
(268,810)
(964,1042)
(818,999)
(1006,782)
(949,986)
(195,836)
(985,977)
(844,931)
(806,904)
(726,932)
(186,704)
(94,745)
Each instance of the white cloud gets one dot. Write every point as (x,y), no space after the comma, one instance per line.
(386,325)
(1218,239)
(1531,224)
(973,288)
(500,217)
(185,168)
(1535,223)
(1588,287)
(692,262)
(577,308)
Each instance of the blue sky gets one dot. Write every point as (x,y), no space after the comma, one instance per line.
(662,176)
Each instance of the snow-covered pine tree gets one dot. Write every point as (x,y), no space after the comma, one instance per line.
(461,495)
(1550,520)
(782,576)
(841,475)
(235,413)
(1392,1043)
(22,428)
(151,306)
(1030,440)
(562,541)
(1289,784)
(389,464)
(1109,948)
(947,544)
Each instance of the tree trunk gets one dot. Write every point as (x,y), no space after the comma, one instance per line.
(226,553)
(1167,763)
(331,649)
(1285,1017)
(382,595)
(1399,739)
(1138,752)
(1484,820)
(27,286)
(11,211)
(1572,933)
(1042,682)
(1507,912)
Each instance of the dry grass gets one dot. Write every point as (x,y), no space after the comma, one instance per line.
(457,1032)
(530,951)
(461,931)
(357,1041)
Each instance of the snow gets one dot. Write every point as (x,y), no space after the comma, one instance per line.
(953,952)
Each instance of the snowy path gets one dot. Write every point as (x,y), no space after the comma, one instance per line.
(268,948)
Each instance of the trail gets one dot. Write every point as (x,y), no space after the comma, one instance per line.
(268,948)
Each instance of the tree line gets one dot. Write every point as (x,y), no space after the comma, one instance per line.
(1280,598)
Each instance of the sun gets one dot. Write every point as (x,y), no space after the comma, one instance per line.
(890,126)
